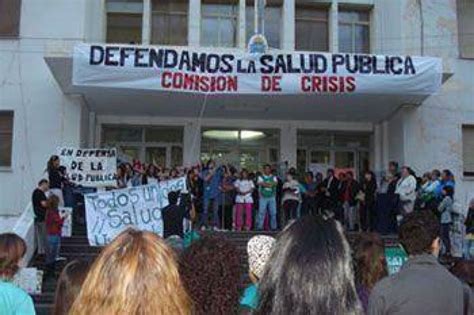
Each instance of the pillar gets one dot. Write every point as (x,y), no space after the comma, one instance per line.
(378,167)
(288,26)
(288,144)
(191,143)
(385,144)
(194,23)
(242,35)
(333,27)
(146,22)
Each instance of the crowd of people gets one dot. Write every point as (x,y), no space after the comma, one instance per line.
(308,268)
(223,198)
(202,274)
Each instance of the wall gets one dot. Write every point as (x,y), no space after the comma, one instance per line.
(43,117)
(431,133)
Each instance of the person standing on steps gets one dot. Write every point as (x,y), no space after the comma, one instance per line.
(40,204)
(212,178)
(267,184)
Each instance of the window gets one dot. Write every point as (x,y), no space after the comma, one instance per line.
(124,21)
(311,28)
(219,23)
(468,150)
(10,13)
(6,138)
(354,31)
(272,23)
(162,145)
(465,10)
(169,22)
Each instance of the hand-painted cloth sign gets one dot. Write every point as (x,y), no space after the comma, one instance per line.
(396,257)
(109,213)
(232,71)
(90,167)
(66,213)
(29,279)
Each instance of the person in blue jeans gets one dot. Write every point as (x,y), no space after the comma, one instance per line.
(212,178)
(267,184)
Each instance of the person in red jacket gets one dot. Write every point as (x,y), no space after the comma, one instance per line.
(54,224)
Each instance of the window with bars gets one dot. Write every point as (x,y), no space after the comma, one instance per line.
(272,22)
(311,27)
(6,138)
(468,150)
(219,23)
(10,14)
(354,31)
(169,22)
(124,21)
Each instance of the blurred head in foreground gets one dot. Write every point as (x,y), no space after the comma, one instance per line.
(135,274)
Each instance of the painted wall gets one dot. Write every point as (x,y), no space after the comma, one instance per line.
(43,117)
(432,132)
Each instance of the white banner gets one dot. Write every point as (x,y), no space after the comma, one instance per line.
(66,213)
(90,167)
(232,71)
(109,213)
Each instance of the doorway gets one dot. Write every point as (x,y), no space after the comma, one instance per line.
(249,149)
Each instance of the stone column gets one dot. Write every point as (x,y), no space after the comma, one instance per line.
(288,26)
(191,143)
(288,144)
(333,27)
(194,23)
(241,39)
(146,22)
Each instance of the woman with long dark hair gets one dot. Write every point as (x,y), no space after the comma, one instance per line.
(309,272)
(55,178)
(369,264)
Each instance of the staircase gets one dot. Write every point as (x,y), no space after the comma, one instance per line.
(77,247)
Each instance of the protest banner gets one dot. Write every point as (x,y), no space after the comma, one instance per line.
(66,213)
(29,279)
(90,167)
(231,71)
(109,213)
(396,257)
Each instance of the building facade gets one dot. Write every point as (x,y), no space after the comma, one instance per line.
(39,111)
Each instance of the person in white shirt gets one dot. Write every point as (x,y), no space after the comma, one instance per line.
(406,189)
(291,198)
(243,201)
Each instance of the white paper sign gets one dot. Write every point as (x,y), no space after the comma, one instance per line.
(109,213)
(233,71)
(90,167)
(67,224)
(29,279)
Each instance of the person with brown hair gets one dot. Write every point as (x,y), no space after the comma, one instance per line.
(54,225)
(369,264)
(68,286)
(211,271)
(423,285)
(13,300)
(136,273)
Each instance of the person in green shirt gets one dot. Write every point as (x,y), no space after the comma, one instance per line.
(267,185)
(259,249)
(13,300)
